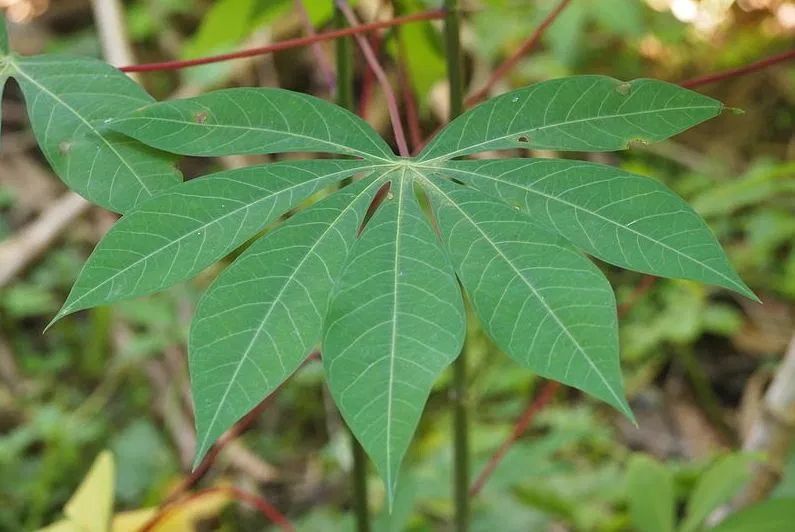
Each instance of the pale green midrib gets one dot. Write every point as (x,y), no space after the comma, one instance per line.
(88,124)
(551,312)
(393,340)
(469,149)
(71,307)
(597,215)
(343,147)
(244,357)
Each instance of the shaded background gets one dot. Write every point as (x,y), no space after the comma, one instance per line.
(696,359)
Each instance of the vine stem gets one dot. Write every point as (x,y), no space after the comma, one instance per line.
(452,39)
(286,44)
(739,71)
(344,60)
(372,61)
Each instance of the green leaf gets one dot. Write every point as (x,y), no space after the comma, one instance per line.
(622,218)
(716,486)
(650,492)
(175,235)
(396,321)
(264,314)
(69,101)
(541,301)
(4,49)
(582,113)
(265,120)
(769,516)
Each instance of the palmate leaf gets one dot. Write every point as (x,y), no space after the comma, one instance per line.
(396,321)
(69,101)
(543,302)
(175,235)
(622,218)
(380,298)
(264,314)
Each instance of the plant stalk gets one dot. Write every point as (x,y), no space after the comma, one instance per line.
(344,61)
(452,40)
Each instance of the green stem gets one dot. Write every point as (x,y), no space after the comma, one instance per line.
(460,429)
(344,60)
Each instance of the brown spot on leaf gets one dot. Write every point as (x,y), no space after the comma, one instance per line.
(523,139)
(624,89)
(200,117)
(65,147)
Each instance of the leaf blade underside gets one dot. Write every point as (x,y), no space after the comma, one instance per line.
(69,123)
(246,120)
(582,113)
(395,323)
(175,235)
(541,301)
(266,309)
(622,218)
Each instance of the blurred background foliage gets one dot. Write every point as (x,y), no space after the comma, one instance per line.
(696,359)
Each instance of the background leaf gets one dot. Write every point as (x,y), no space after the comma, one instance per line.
(582,113)
(69,101)
(395,323)
(773,515)
(172,237)
(541,301)
(264,314)
(650,492)
(715,486)
(238,121)
(622,218)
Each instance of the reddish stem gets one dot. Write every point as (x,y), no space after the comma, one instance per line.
(287,44)
(237,429)
(409,103)
(386,87)
(270,512)
(368,79)
(526,47)
(317,49)
(739,71)
(544,397)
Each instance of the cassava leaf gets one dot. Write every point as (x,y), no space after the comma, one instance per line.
(69,101)
(583,113)
(622,218)
(264,314)
(263,120)
(175,235)
(541,301)
(395,323)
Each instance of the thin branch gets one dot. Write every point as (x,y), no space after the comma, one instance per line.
(287,44)
(109,19)
(229,436)
(544,397)
(409,103)
(321,58)
(270,512)
(739,71)
(520,52)
(389,94)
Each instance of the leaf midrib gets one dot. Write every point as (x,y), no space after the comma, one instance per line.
(345,149)
(529,285)
(475,147)
(330,177)
(593,213)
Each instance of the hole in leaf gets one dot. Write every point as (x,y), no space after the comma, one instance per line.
(523,139)
(382,194)
(635,143)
